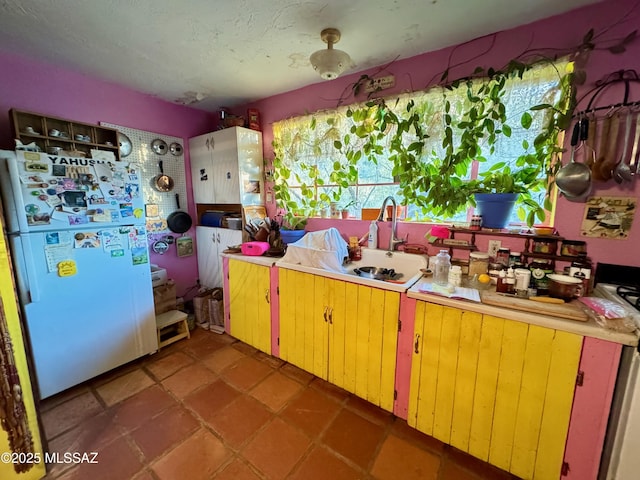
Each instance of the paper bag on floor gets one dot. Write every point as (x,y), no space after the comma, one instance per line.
(201,309)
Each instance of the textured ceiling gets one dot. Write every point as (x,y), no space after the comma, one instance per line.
(227,52)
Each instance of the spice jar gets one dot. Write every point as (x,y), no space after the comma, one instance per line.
(545,245)
(573,248)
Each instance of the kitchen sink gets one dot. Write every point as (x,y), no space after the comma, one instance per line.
(405,267)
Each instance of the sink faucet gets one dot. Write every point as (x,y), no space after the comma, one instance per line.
(393,240)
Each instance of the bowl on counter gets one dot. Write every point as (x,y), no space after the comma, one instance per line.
(564,286)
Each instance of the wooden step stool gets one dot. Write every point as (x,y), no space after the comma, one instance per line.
(169,319)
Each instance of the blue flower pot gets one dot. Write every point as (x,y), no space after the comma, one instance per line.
(495,208)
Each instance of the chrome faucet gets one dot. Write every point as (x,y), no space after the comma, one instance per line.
(393,240)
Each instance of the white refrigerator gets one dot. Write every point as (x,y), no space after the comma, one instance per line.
(76,227)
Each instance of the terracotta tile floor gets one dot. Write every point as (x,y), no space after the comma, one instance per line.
(212,407)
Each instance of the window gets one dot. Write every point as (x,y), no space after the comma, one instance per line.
(306,146)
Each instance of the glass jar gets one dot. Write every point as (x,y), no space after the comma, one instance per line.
(573,248)
(540,268)
(545,245)
(494,271)
(515,258)
(502,256)
(478,263)
(443,265)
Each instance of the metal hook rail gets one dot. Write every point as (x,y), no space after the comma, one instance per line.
(626,77)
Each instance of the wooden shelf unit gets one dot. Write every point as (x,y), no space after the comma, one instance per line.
(527,237)
(100,138)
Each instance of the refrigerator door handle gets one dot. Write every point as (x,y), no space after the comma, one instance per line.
(21,270)
(27,270)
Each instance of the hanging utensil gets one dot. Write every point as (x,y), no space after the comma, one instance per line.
(179,221)
(601,148)
(610,160)
(162,183)
(628,171)
(574,178)
(625,170)
(617,174)
(592,138)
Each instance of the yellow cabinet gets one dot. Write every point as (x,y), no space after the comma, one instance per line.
(341,332)
(250,309)
(498,389)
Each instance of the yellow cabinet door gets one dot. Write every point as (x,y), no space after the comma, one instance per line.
(250,310)
(498,389)
(341,332)
(304,321)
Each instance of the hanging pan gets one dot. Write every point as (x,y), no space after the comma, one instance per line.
(162,182)
(179,221)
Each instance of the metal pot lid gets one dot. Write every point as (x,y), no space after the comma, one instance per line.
(159,146)
(125,145)
(176,149)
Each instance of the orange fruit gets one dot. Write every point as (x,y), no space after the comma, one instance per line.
(484,278)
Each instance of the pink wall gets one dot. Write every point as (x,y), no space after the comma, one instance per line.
(415,73)
(47,89)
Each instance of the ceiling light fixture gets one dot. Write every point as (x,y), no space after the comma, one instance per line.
(330,63)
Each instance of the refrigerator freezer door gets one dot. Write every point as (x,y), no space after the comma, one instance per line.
(89,322)
(56,192)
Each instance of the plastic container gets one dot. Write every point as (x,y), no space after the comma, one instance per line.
(254,249)
(442,267)
(373,235)
(478,263)
(455,276)
(573,248)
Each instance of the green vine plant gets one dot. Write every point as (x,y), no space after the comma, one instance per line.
(436,179)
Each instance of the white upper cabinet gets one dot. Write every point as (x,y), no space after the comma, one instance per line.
(227,167)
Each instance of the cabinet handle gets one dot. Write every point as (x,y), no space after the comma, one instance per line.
(331,316)
(266,295)
(207,144)
(325,313)
(218,238)
(417,344)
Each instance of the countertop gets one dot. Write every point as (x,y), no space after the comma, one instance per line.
(589,328)
(257,259)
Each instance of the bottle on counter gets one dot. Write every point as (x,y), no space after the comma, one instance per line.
(373,235)
(443,265)
(511,281)
(501,283)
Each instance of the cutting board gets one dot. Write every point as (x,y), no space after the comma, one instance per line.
(570,310)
